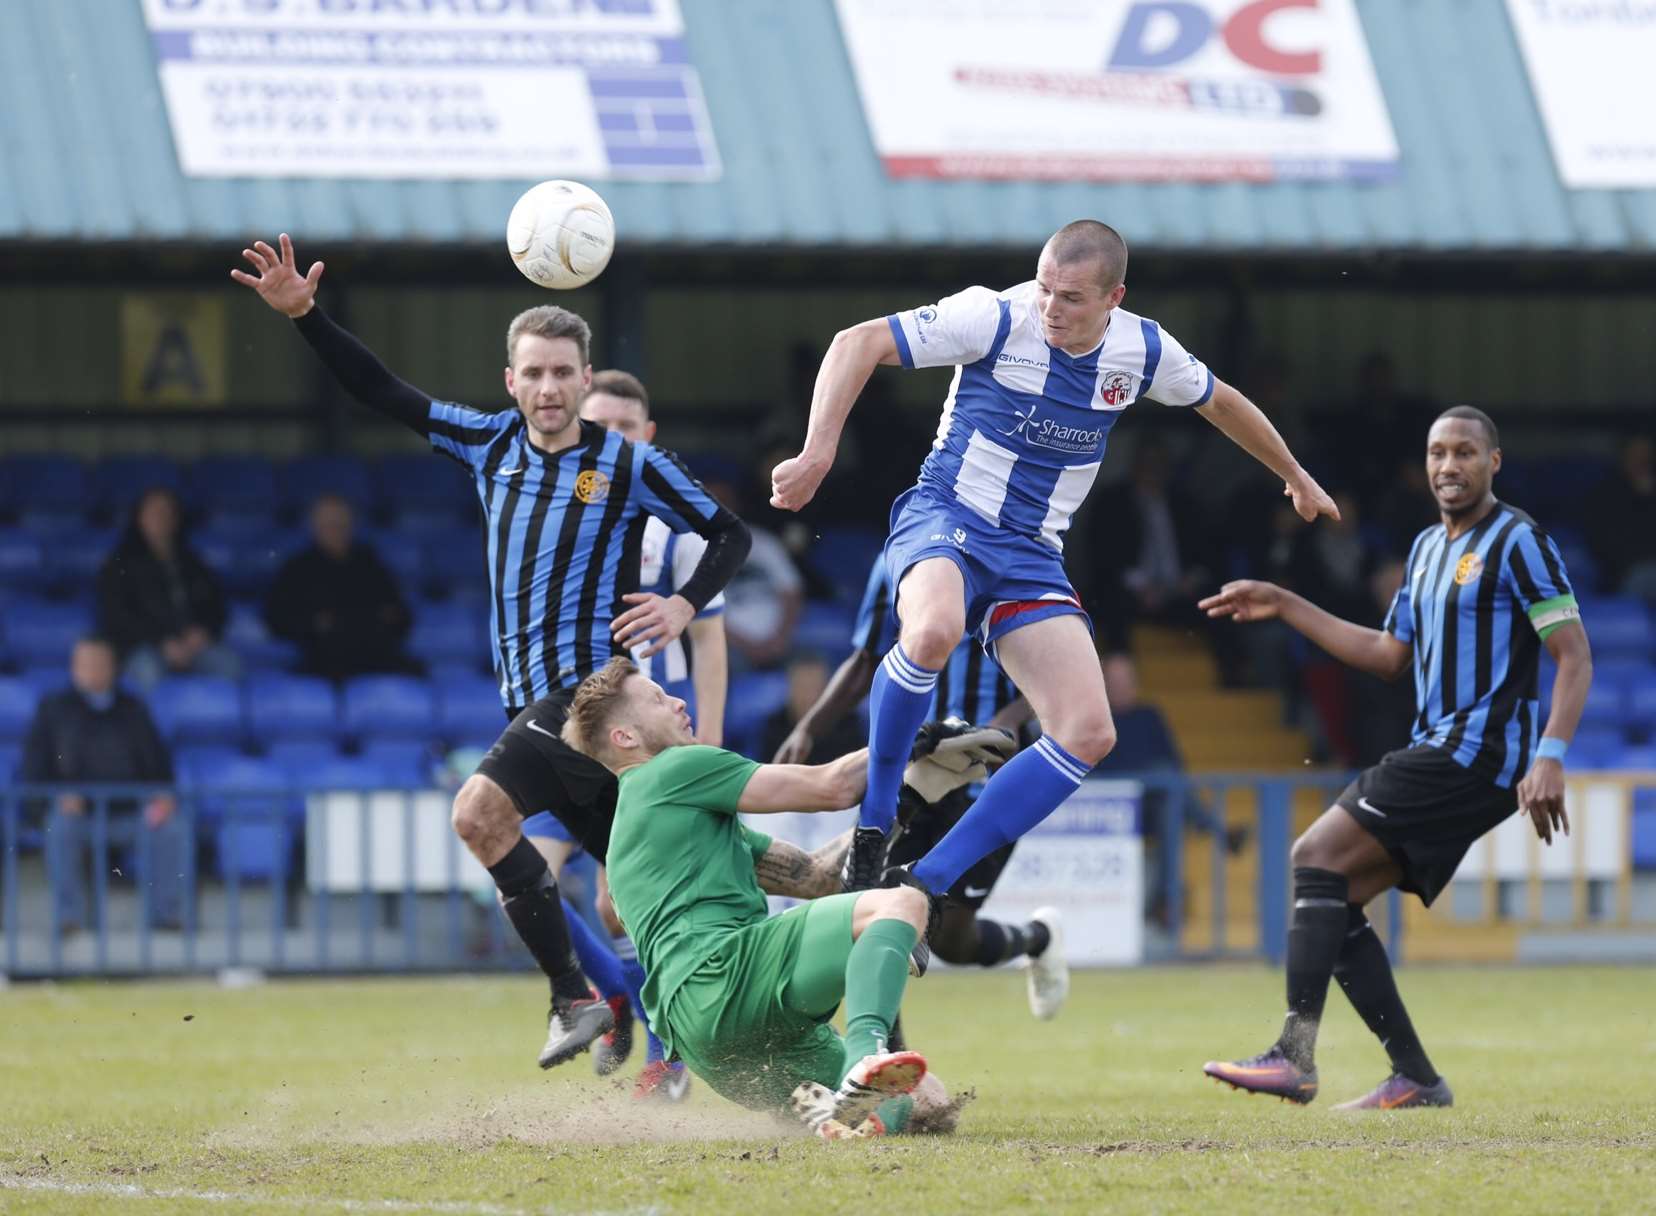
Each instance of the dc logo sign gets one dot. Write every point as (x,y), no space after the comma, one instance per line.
(1162,33)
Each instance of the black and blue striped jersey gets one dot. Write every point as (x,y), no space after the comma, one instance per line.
(970,686)
(1476,609)
(563,535)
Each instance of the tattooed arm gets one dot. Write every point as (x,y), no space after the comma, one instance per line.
(787,869)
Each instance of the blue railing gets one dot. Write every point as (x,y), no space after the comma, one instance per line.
(299,880)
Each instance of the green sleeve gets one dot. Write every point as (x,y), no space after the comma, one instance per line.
(757,842)
(708,777)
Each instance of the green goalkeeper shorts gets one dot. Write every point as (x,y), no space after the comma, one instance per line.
(752,1021)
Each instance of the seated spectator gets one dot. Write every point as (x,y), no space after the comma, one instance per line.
(807,678)
(1626,551)
(158,603)
(764,599)
(93,732)
(338,602)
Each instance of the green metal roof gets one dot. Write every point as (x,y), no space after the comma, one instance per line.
(86,154)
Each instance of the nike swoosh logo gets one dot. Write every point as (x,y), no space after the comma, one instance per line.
(976,892)
(539,729)
(1370,807)
(511,472)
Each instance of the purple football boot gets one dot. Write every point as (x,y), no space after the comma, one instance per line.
(1398,1092)
(1271,1073)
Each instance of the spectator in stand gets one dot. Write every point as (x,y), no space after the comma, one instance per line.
(158,603)
(764,599)
(338,602)
(1626,553)
(94,733)
(807,679)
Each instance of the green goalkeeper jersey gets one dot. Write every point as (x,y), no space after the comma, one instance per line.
(681,865)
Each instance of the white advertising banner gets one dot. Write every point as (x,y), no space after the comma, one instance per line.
(1086,859)
(526,89)
(1590,66)
(1197,90)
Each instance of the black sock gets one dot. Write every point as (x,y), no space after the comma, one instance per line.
(895,1040)
(530,896)
(1315,935)
(1365,976)
(998,943)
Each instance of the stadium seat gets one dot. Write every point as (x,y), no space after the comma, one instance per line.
(447,631)
(403,553)
(468,708)
(73,559)
(1605,703)
(43,484)
(1619,627)
(232,483)
(1641,699)
(247,564)
(22,560)
(11,763)
(119,480)
(238,526)
(247,803)
(42,632)
(17,707)
(198,709)
(282,706)
(825,628)
(361,773)
(388,707)
(753,699)
(306,477)
(843,557)
(296,758)
(424,485)
(1597,747)
(246,633)
(412,759)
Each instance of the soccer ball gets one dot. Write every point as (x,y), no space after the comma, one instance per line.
(560,234)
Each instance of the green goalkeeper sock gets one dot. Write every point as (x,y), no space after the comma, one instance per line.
(875,975)
(894,1114)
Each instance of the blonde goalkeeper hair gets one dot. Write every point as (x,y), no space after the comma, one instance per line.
(593,710)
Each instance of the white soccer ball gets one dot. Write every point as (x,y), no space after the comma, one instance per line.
(560,234)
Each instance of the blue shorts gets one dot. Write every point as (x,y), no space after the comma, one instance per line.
(1011,580)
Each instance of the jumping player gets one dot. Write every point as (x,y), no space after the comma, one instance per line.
(970,688)
(1483,591)
(1043,371)
(742,997)
(565,504)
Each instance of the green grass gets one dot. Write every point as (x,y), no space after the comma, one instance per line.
(405,1095)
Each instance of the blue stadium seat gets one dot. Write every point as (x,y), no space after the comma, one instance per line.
(410,759)
(198,709)
(120,479)
(246,633)
(22,560)
(43,483)
(42,632)
(1644,828)
(298,757)
(753,698)
(232,483)
(1641,699)
(73,559)
(1619,627)
(468,708)
(247,564)
(447,631)
(402,552)
(237,526)
(306,477)
(1606,703)
(360,773)
(424,485)
(842,557)
(17,706)
(282,706)
(11,762)
(200,764)
(826,628)
(254,842)
(388,707)
(247,803)
(1596,747)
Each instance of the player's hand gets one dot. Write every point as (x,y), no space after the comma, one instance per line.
(653,619)
(796,748)
(279,282)
(1310,499)
(1244,600)
(1541,796)
(795,482)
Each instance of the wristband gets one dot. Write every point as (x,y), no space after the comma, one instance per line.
(1551,748)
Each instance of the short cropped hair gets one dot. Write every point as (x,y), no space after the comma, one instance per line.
(549,321)
(1088,240)
(621,384)
(1474,414)
(594,706)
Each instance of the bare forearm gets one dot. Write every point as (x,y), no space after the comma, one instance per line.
(1370,650)
(845,370)
(1570,685)
(1245,425)
(846,687)
(1012,716)
(786,869)
(710,677)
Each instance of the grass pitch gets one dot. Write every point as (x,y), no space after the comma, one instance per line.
(422,1096)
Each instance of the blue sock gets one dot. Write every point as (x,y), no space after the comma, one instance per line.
(897,704)
(633,970)
(1025,791)
(597,960)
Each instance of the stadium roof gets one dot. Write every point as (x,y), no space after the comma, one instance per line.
(87,155)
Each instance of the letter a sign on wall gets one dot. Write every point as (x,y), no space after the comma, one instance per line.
(1198,90)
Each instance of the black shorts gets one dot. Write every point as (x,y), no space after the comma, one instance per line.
(1426,810)
(927,825)
(540,772)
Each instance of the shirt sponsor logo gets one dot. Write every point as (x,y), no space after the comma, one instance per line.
(1116,389)
(1468,569)
(1058,436)
(592,486)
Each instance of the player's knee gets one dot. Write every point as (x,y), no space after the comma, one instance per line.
(906,904)
(932,639)
(1309,851)
(1089,736)
(480,808)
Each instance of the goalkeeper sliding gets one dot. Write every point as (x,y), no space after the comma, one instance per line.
(744,999)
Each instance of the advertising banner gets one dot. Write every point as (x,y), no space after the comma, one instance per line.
(1195,90)
(1590,66)
(527,89)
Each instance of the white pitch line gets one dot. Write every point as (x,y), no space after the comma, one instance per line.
(122,1190)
